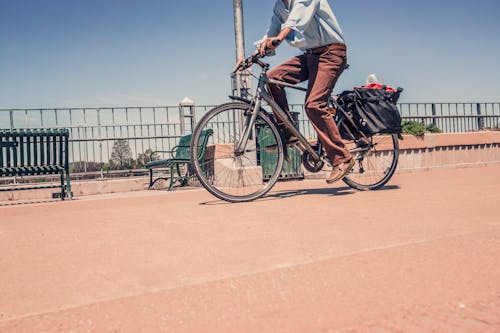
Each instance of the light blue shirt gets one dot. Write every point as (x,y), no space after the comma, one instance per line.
(313,23)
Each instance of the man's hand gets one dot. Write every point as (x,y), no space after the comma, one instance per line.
(238,65)
(269,45)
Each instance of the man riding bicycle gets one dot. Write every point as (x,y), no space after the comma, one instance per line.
(311,26)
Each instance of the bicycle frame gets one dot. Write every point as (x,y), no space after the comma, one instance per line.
(262,94)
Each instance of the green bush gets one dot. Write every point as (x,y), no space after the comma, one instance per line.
(412,127)
(431,128)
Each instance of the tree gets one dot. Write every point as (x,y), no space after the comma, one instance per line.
(121,154)
(146,157)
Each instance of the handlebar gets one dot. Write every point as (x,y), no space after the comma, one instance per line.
(255,59)
(249,61)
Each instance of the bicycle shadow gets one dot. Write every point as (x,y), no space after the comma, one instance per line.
(281,195)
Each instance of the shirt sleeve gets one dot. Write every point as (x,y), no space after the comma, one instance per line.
(301,14)
(274,28)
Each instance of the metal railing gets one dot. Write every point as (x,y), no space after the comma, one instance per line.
(95,130)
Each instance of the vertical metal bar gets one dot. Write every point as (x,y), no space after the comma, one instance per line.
(181,119)
(11,116)
(47,149)
(35,150)
(1,150)
(8,152)
(99,130)
(86,151)
(42,152)
(127,126)
(79,145)
(192,117)
(433,106)
(142,131)
(28,149)
(21,151)
(61,149)
(155,131)
(480,120)
(14,151)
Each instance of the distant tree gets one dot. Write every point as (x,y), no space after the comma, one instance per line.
(121,154)
(82,166)
(146,157)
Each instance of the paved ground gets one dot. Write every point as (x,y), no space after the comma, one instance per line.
(419,256)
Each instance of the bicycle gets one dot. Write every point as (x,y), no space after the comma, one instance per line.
(243,131)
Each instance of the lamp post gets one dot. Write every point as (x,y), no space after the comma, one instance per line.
(240,82)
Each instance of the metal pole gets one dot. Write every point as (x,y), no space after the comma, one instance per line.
(480,120)
(239,40)
(11,116)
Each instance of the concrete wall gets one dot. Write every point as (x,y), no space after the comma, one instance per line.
(449,151)
(416,153)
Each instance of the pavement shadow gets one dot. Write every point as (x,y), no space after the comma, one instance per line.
(27,202)
(335,191)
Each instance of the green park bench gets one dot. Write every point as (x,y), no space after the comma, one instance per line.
(34,152)
(180,156)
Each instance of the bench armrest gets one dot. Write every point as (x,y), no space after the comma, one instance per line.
(159,152)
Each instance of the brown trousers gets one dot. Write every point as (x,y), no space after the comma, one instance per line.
(321,69)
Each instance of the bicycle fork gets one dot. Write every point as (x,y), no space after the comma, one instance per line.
(247,128)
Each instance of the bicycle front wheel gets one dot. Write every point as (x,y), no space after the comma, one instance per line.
(232,174)
(376,162)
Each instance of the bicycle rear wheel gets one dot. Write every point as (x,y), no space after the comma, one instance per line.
(376,162)
(232,175)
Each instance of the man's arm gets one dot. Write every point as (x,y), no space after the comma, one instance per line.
(271,43)
(301,15)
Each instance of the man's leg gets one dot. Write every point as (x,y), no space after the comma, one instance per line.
(324,70)
(292,71)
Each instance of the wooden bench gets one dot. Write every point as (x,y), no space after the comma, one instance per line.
(180,155)
(32,152)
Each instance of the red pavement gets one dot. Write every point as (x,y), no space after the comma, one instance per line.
(420,256)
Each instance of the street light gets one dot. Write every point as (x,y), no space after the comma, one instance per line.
(240,82)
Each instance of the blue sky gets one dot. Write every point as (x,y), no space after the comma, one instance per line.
(68,53)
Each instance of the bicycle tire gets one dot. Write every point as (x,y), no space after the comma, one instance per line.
(236,176)
(375,166)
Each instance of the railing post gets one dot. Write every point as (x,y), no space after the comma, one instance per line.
(181,119)
(186,103)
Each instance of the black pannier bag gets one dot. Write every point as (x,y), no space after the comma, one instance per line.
(374,111)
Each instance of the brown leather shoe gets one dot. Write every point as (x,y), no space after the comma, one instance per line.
(340,171)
